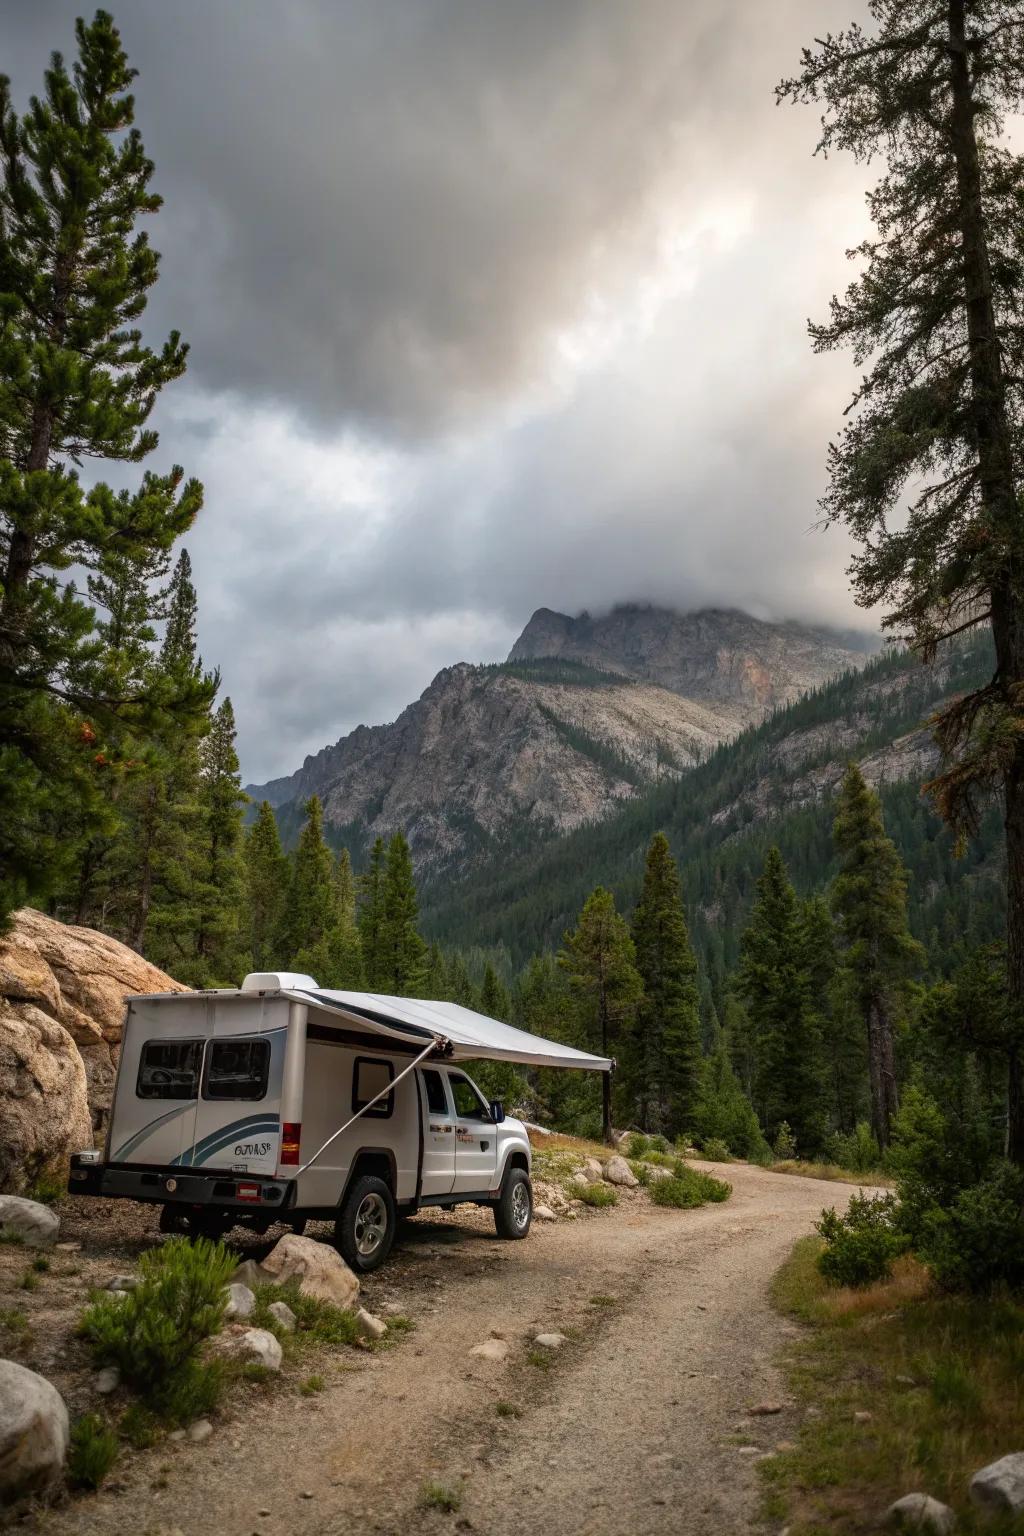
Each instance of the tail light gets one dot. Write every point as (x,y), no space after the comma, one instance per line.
(291,1135)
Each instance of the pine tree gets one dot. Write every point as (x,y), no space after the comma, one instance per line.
(266,890)
(371,918)
(76,381)
(934,317)
(773,983)
(721,1110)
(566,1101)
(220,881)
(869,897)
(459,986)
(664,1056)
(403,952)
(345,966)
(311,912)
(600,962)
(495,1001)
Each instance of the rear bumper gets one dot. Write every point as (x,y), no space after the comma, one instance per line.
(175,1186)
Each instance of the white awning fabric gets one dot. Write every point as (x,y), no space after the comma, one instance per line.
(472,1036)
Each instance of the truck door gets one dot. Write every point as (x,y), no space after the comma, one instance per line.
(476,1137)
(438,1123)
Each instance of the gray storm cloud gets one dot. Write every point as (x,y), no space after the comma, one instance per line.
(491,305)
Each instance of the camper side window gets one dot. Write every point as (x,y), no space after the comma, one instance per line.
(236,1069)
(169,1069)
(371,1076)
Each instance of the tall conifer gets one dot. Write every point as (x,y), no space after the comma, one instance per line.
(266,890)
(600,961)
(664,1055)
(403,952)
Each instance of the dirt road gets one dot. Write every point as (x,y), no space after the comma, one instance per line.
(637,1424)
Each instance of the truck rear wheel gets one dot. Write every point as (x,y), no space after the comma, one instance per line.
(514,1208)
(365,1228)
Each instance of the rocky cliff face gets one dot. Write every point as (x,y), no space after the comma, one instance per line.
(62,993)
(717,656)
(584,715)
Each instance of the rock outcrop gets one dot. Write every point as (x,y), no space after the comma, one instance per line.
(62,992)
(34,1435)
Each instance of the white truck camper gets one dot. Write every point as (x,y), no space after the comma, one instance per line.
(280,1101)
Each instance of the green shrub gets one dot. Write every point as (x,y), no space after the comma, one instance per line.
(641,1172)
(154,1333)
(41,1264)
(979,1242)
(658,1144)
(860,1247)
(311,1386)
(716,1150)
(92,1451)
(688,1188)
(314,1319)
(638,1143)
(440,1496)
(784,1145)
(50,1186)
(597,1194)
(857,1152)
(139,1427)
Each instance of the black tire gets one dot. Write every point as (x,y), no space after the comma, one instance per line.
(298,1227)
(211,1224)
(513,1210)
(366,1224)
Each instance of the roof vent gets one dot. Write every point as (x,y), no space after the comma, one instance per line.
(278,981)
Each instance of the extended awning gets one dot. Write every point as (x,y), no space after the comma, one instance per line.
(471,1036)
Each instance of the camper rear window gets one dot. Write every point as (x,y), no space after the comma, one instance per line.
(371,1076)
(169,1069)
(236,1069)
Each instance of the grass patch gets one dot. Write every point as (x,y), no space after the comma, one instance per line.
(604,1301)
(831,1172)
(440,1496)
(316,1322)
(311,1386)
(507,1410)
(543,1359)
(92,1451)
(49,1187)
(14,1320)
(139,1427)
(29,1281)
(942,1376)
(597,1195)
(11,1239)
(41,1264)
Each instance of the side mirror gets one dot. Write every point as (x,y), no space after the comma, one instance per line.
(497,1111)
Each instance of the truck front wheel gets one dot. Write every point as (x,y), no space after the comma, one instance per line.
(365,1228)
(514,1208)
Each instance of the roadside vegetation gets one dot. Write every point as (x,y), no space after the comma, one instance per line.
(939,1376)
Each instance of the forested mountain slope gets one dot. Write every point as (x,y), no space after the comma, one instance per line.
(772,784)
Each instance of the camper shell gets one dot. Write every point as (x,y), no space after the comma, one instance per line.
(283,1101)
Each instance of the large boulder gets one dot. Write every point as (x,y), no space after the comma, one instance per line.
(999,1487)
(28,1222)
(618,1171)
(62,993)
(34,1433)
(320,1271)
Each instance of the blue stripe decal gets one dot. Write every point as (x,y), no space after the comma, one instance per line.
(129,1146)
(212,1143)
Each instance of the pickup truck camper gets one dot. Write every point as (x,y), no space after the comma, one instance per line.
(280,1101)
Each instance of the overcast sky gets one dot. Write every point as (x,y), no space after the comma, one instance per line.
(492,304)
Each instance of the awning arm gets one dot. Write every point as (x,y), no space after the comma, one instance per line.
(439,1043)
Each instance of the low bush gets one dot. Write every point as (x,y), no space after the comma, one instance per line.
(716,1150)
(637,1144)
(311,1386)
(784,1145)
(50,1186)
(857,1152)
(641,1172)
(688,1187)
(154,1334)
(598,1195)
(440,1496)
(978,1243)
(139,1427)
(92,1451)
(861,1246)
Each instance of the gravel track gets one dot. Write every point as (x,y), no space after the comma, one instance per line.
(635,1426)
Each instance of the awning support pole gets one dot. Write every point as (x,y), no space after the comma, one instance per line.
(439,1043)
(606,1109)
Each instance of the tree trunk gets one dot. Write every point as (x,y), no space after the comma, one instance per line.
(881,1071)
(1000,505)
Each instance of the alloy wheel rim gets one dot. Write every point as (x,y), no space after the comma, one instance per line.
(520,1205)
(370,1224)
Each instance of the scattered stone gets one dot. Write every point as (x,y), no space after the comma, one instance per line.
(251,1274)
(391,1309)
(749,1450)
(201,1430)
(578,1178)
(491,1349)
(862,1416)
(34,1433)
(550,1340)
(36,1225)
(370,1327)
(176,1434)
(920,1512)
(68,1247)
(308,1495)
(320,1270)
(256,1345)
(107,1380)
(905,1381)
(591,1170)
(812,1413)
(544,1213)
(999,1487)
(767,1408)
(283,1315)
(618,1171)
(656,1171)
(123,1283)
(785,1446)
(241,1300)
